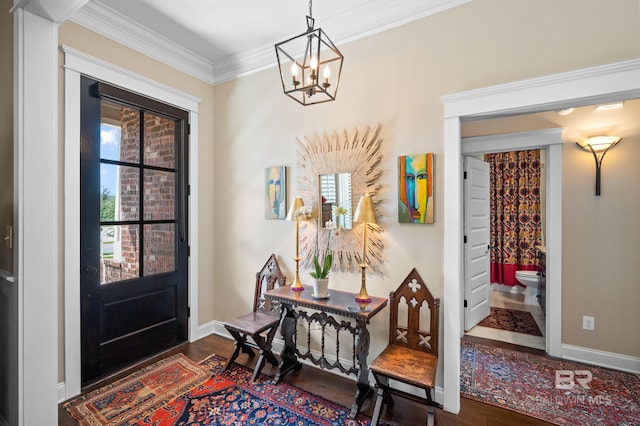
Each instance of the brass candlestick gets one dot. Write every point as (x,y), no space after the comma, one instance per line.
(294,214)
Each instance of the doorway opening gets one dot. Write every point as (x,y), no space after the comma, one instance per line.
(78,64)
(599,84)
(505,216)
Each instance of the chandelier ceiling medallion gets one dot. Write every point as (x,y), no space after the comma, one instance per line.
(300,61)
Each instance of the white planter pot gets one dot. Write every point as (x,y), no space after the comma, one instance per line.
(320,288)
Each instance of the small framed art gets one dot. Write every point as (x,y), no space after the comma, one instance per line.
(415,188)
(275,188)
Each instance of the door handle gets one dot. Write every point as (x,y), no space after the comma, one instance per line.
(90,269)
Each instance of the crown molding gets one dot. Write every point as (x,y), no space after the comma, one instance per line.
(344,28)
(111,24)
(54,10)
(352,26)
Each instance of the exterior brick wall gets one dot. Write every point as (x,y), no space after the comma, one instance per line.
(158,193)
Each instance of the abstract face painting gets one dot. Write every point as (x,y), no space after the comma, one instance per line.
(275,192)
(415,180)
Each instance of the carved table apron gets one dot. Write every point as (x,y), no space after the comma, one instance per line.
(338,303)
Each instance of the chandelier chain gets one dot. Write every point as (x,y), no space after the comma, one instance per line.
(310,8)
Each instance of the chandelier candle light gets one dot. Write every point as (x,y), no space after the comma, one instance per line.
(366,214)
(301,77)
(298,211)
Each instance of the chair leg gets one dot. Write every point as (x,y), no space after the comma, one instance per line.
(240,343)
(431,414)
(382,397)
(258,367)
(378,407)
(264,343)
(269,343)
(429,400)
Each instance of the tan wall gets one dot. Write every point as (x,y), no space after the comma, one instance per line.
(80,38)
(600,258)
(6,132)
(397,78)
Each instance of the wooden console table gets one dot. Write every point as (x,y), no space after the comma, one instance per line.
(339,303)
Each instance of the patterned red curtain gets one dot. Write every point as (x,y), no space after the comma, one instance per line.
(516,225)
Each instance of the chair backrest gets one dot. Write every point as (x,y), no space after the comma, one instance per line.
(268,278)
(415,293)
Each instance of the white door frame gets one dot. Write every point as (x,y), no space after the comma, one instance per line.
(599,84)
(551,141)
(35,129)
(77,64)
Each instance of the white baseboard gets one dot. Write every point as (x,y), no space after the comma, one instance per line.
(210,327)
(601,358)
(62,392)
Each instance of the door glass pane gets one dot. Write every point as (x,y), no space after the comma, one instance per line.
(159,248)
(119,253)
(159,195)
(120,193)
(159,141)
(119,133)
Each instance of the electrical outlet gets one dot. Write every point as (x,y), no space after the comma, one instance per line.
(588,323)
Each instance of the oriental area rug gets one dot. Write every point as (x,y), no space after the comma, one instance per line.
(557,391)
(511,320)
(222,398)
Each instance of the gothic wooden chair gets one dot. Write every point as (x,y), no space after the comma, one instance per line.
(260,324)
(412,354)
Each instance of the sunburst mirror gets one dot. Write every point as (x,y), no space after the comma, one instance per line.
(335,171)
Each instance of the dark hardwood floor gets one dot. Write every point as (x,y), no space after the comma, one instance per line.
(340,390)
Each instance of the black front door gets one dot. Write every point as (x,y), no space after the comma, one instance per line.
(133,228)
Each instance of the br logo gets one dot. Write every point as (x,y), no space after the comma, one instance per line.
(567,379)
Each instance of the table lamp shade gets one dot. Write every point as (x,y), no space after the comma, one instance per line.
(365,211)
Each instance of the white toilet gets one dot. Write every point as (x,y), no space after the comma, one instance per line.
(529,279)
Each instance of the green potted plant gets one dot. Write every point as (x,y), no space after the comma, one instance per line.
(322,265)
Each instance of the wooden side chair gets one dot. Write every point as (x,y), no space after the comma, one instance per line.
(412,354)
(260,324)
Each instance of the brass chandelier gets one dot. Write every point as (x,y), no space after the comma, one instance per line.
(300,61)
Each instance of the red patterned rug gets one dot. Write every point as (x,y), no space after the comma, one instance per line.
(127,398)
(226,398)
(511,320)
(560,392)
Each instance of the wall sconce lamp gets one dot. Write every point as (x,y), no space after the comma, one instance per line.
(598,145)
(300,60)
(366,214)
(298,212)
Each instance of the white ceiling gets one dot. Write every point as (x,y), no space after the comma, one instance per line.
(218,40)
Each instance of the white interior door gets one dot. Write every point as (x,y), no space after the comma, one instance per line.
(476,248)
